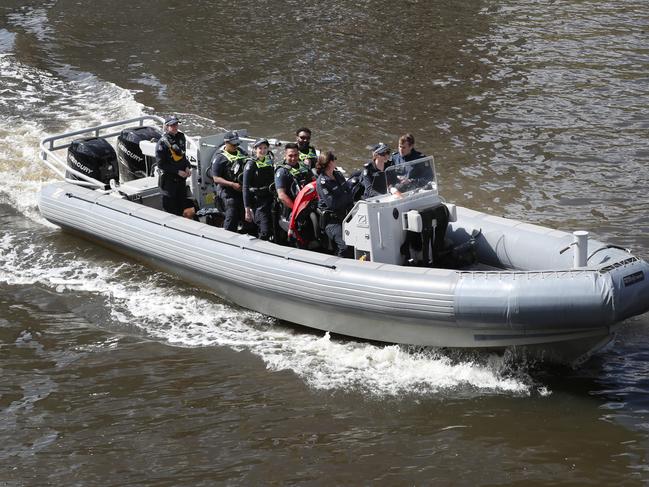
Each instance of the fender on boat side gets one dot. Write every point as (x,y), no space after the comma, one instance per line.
(630,280)
(535,300)
(234,261)
(230,262)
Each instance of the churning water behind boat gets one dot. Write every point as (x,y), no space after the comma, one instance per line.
(112,371)
(147,308)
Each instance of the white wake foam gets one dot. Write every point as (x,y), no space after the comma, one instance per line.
(33,20)
(170,312)
(35,103)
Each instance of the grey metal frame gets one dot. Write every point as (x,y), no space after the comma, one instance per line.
(52,160)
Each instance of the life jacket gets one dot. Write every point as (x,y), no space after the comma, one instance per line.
(263,173)
(236,163)
(180,143)
(301,175)
(310,154)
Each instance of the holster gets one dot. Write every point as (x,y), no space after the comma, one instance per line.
(218,201)
(327,217)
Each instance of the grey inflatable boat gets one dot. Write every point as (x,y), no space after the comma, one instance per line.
(556,295)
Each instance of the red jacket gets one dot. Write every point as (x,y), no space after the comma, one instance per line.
(306,195)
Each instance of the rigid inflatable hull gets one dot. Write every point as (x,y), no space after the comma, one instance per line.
(578,310)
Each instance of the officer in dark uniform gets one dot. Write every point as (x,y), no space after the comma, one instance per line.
(407,151)
(290,177)
(172,161)
(335,199)
(373,177)
(308,154)
(419,174)
(258,176)
(227,169)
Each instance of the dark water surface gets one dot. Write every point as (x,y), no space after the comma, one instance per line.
(112,373)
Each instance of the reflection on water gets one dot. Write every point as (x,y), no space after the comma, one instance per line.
(567,119)
(113,371)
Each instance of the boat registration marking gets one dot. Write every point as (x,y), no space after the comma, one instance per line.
(632,279)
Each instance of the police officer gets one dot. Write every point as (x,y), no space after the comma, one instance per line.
(335,199)
(171,159)
(373,177)
(407,151)
(419,174)
(227,168)
(290,177)
(308,154)
(258,176)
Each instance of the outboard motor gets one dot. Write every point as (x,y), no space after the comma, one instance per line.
(94,157)
(132,163)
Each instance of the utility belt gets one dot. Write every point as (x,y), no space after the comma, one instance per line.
(327,217)
(169,177)
(223,192)
(261,192)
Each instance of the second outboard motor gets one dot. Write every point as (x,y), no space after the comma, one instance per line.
(132,163)
(94,157)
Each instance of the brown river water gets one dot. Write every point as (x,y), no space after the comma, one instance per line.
(113,373)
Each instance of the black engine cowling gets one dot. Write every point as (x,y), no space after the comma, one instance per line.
(94,157)
(132,163)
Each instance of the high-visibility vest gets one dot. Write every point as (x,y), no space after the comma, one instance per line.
(236,163)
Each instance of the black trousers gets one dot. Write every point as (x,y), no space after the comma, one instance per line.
(335,232)
(233,210)
(262,216)
(174,194)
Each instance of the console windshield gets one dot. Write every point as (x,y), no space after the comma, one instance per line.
(411,176)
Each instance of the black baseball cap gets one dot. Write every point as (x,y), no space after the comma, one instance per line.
(232,138)
(380,149)
(258,142)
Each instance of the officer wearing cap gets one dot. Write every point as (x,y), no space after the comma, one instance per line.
(291,176)
(258,175)
(373,177)
(335,199)
(307,152)
(172,161)
(227,170)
